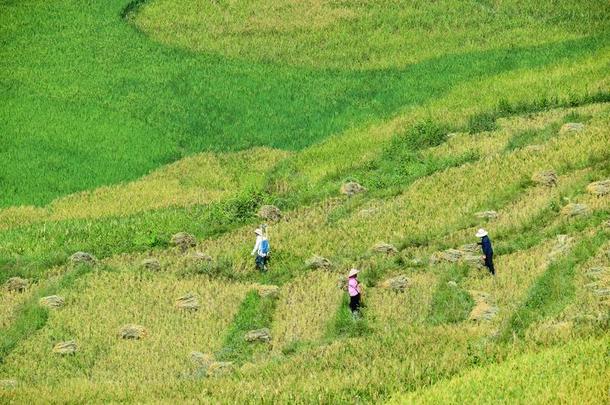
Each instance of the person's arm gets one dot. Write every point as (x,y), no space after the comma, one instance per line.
(257,244)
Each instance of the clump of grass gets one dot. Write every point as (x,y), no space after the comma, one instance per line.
(372,275)
(575,116)
(30,318)
(346,209)
(131,9)
(296,346)
(483,121)
(402,162)
(411,241)
(221,267)
(422,135)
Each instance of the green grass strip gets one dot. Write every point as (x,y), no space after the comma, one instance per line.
(31,316)
(487,120)
(255,312)
(554,289)
(539,136)
(526,237)
(450,304)
(344,324)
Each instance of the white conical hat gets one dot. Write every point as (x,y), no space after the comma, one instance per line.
(353,272)
(258,231)
(481,232)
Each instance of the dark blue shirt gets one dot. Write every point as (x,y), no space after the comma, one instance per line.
(486,246)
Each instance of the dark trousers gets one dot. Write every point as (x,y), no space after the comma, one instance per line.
(489,263)
(261,262)
(354,302)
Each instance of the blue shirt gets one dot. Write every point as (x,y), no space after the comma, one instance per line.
(486,246)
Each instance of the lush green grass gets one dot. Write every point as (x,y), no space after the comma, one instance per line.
(134,95)
(31,318)
(486,120)
(530,137)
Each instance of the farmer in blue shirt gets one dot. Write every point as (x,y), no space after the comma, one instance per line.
(261,249)
(488,252)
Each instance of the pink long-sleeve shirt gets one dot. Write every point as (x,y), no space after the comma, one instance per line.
(353,287)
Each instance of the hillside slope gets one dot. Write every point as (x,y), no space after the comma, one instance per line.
(111,105)
(152,119)
(406,340)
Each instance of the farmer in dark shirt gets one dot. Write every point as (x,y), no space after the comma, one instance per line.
(488,253)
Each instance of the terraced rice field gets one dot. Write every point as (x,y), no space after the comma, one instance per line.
(155,117)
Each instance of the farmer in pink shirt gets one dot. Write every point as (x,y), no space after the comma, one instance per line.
(354,290)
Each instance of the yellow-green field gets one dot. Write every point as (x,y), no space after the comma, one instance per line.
(210,110)
(397,348)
